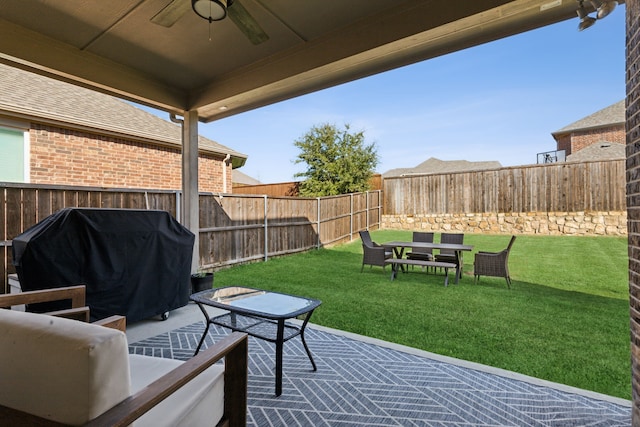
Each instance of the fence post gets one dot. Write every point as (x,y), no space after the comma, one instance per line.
(351,218)
(318,244)
(367,208)
(379,209)
(266,231)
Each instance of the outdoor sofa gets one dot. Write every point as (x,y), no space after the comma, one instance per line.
(59,371)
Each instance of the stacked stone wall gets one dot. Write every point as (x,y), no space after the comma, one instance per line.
(543,223)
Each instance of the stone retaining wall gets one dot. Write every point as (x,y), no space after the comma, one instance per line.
(544,223)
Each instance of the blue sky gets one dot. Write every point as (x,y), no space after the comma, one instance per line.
(499,101)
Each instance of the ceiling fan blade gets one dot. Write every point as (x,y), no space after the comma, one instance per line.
(245,22)
(171,13)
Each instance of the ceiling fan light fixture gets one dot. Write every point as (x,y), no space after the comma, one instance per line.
(211,10)
(606,8)
(585,20)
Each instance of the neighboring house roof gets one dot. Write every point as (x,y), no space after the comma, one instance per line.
(28,96)
(599,151)
(244,179)
(433,165)
(611,115)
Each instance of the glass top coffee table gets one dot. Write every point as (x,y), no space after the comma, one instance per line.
(261,314)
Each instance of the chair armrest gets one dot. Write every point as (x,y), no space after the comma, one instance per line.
(234,348)
(490,254)
(75,293)
(81,313)
(113,322)
(13,417)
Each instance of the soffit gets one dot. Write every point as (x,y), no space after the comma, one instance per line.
(114,47)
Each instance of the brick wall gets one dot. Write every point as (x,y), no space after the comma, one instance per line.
(582,139)
(564,143)
(67,157)
(633,192)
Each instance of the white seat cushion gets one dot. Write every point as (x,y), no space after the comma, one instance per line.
(199,403)
(60,369)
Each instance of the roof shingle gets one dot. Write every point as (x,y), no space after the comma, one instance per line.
(613,114)
(30,96)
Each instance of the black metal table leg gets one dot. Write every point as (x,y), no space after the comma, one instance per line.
(399,252)
(279,345)
(304,343)
(206,330)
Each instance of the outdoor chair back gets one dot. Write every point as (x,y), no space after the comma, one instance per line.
(421,253)
(366,238)
(447,255)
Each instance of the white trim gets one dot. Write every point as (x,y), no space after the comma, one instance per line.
(24,127)
(27,156)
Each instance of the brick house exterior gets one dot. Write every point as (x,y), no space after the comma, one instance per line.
(75,136)
(606,125)
(633,192)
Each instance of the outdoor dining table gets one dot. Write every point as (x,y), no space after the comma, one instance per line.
(399,247)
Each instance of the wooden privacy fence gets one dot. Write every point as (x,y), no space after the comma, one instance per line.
(555,187)
(234,228)
(238,228)
(23,205)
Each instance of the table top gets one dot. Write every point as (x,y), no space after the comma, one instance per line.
(425,245)
(256,302)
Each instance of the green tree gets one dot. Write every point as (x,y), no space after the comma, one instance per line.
(338,161)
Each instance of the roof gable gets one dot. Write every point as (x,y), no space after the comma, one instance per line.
(242,178)
(611,115)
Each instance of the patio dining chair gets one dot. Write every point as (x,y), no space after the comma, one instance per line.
(373,253)
(448,255)
(495,264)
(421,253)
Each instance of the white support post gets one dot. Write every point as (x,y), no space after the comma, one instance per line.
(190,200)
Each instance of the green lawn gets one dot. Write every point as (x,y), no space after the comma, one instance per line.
(566,318)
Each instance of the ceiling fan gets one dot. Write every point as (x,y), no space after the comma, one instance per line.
(172,12)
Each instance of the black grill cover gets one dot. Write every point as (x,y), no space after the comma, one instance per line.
(134,263)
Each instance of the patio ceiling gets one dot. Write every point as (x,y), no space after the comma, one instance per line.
(114,47)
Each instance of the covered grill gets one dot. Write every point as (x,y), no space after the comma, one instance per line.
(135,263)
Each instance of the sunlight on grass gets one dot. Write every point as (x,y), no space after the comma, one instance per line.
(566,318)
